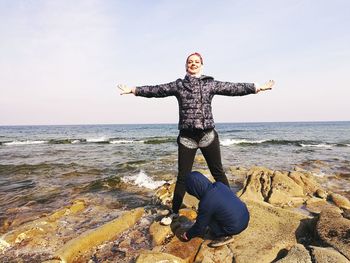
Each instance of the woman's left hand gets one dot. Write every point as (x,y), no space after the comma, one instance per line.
(184,236)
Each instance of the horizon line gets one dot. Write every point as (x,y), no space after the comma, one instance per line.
(166,123)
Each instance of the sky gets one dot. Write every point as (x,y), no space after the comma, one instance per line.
(60,61)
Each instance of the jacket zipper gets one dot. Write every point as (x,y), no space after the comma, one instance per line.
(200,90)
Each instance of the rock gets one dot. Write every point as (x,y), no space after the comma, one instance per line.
(305,180)
(184,250)
(327,255)
(339,200)
(213,255)
(284,190)
(164,194)
(36,230)
(257,184)
(238,171)
(316,205)
(334,230)
(190,201)
(321,193)
(276,188)
(159,233)
(157,257)
(346,214)
(200,159)
(271,229)
(84,243)
(297,254)
(189,213)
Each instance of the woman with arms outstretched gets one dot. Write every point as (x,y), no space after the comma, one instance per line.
(196,124)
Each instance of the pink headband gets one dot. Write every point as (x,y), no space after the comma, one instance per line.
(197,54)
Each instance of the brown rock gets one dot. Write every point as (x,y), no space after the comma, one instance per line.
(257,184)
(184,250)
(284,190)
(334,230)
(164,194)
(276,188)
(297,254)
(321,193)
(238,171)
(36,229)
(159,233)
(189,213)
(200,159)
(340,201)
(327,255)
(190,201)
(84,243)
(305,180)
(270,230)
(316,205)
(154,257)
(213,255)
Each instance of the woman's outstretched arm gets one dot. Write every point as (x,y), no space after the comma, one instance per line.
(155,91)
(240,89)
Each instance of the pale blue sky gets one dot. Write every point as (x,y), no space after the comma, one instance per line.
(60,60)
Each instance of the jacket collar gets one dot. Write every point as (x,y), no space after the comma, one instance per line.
(202,77)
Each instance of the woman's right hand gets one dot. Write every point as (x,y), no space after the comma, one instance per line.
(266,86)
(125,89)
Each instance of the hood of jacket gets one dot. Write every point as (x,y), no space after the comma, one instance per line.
(197,184)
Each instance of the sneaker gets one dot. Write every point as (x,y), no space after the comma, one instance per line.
(218,242)
(167,220)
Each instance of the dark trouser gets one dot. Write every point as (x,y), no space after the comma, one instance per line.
(186,156)
(218,230)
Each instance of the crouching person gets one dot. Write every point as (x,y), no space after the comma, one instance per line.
(219,210)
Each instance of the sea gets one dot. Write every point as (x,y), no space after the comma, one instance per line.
(45,167)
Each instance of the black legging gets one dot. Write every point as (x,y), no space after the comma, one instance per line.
(186,156)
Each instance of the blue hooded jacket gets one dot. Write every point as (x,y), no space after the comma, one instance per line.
(217,203)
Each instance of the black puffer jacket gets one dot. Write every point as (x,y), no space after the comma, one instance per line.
(194,96)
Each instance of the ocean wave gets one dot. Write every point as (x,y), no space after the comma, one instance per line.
(124,141)
(321,145)
(142,180)
(98,140)
(163,140)
(23,142)
(160,140)
(66,141)
(227,142)
(299,143)
(343,144)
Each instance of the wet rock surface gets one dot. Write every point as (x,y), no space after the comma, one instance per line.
(293,219)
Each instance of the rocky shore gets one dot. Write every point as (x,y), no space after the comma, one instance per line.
(293,219)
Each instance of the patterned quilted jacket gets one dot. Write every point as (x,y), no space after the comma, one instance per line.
(194,96)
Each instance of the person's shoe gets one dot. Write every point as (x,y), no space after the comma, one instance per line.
(167,220)
(218,242)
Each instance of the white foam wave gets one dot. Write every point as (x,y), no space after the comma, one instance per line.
(99,139)
(76,141)
(24,142)
(124,141)
(143,180)
(3,245)
(227,142)
(320,174)
(321,145)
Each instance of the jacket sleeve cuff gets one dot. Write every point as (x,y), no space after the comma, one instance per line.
(256,86)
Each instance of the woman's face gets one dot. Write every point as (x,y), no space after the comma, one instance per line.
(194,65)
